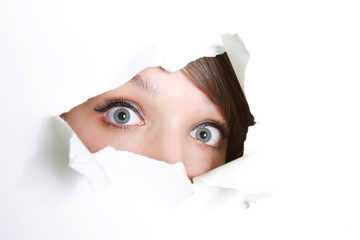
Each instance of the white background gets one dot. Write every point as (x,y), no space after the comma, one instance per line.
(301,84)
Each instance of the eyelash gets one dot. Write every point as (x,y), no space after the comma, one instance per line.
(209,147)
(119,102)
(116,127)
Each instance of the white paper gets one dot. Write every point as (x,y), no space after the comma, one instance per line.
(54,56)
(301,84)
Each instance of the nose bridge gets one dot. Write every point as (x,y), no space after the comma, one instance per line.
(167,143)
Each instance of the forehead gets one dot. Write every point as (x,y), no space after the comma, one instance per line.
(174,86)
(170,84)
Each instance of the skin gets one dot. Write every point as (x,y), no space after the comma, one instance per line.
(171,106)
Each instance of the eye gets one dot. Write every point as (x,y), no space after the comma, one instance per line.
(123,116)
(207,134)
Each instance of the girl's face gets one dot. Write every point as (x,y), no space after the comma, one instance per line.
(157,114)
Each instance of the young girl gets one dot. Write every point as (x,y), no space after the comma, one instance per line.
(197,115)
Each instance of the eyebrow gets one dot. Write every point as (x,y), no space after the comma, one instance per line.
(144,85)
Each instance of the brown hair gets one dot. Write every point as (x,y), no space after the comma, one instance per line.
(217,79)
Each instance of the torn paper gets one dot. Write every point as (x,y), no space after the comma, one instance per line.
(54,56)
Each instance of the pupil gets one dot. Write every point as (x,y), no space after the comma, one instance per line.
(203,134)
(122,115)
